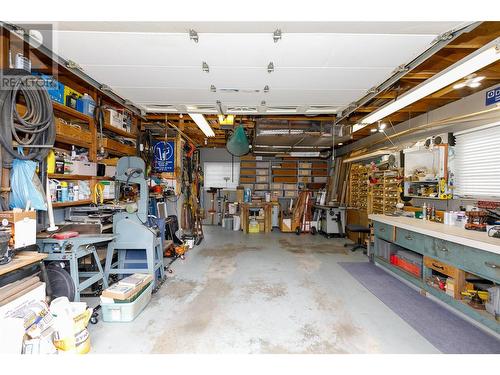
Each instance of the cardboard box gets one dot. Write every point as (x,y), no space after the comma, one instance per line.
(113,118)
(276,186)
(83,168)
(262,179)
(261,172)
(23,227)
(289,186)
(110,171)
(126,288)
(290,194)
(108,191)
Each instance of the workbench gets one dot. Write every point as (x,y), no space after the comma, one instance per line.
(245,214)
(463,250)
(21,266)
(72,250)
(20,260)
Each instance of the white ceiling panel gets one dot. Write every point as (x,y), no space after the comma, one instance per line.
(274,97)
(236,77)
(329,64)
(249,50)
(263,27)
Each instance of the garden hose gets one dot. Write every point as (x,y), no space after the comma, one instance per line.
(35,128)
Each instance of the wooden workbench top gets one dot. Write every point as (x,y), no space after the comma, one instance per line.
(22,259)
(471,238)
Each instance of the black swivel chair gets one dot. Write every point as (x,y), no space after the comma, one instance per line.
(361,231)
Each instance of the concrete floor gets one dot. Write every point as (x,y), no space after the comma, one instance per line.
(258,293)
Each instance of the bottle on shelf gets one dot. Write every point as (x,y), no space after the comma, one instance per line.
(424,211)
(76,193)
(64,191)
(71,196)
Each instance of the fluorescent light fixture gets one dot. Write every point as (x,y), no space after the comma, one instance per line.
(280,132)
(202,124)
(304,154)
(484,56)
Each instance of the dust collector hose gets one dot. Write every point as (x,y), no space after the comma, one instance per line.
(36,127)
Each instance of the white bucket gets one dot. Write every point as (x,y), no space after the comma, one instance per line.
(236,223)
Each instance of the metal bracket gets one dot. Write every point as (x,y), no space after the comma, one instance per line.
(373,90)
(266,88)
(213,88)
(205,67)
(277,35)
(444,37)
(70,64)
(105,88)
(193,35)
(270,67)
(400,69)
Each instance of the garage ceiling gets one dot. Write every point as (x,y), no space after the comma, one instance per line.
(318,67)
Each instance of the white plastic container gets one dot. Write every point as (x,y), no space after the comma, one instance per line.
(126,312)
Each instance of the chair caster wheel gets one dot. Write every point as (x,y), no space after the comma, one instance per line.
(170,271)
(94,320)
(183,257)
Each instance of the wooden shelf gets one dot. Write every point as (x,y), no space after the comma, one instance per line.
(58,107)
(118,131)
(67,204)
(59,176)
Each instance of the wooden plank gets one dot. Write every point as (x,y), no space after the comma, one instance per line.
(22,259)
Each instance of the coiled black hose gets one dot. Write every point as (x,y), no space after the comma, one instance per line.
(36,127)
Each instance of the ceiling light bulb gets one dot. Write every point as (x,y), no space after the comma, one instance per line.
(382,126)
(459,85)
(373,130)
(474,84)
(339,144)
(478,79)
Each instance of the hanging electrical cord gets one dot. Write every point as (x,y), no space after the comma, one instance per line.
(35,129)
(99,121)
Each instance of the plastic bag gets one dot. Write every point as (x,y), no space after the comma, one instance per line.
(26,186)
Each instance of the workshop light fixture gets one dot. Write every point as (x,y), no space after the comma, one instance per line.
(226,119)
(202,123)
(484,56)
(381,126)
(373,130)
(471,81)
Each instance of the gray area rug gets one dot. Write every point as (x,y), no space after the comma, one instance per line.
(448,332)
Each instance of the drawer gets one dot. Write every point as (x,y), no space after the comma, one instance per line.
(411,240)
(442,267)
(384,231)
(457,274)
(481,263)
(446,251)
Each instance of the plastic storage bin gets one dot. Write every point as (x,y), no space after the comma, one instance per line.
(126,312)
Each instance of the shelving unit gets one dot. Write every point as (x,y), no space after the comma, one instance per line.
(384,194)
(282,177)
(358,186)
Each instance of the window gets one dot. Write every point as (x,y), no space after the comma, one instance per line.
(476,168)
(221,175)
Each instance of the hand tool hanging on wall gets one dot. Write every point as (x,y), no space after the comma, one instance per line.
(34,130)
